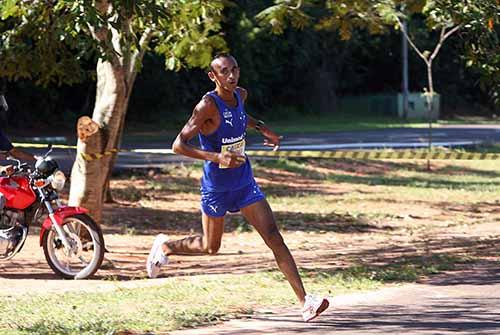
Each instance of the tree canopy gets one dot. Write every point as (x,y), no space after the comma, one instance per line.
(54,41)
(477,21)
(278,69)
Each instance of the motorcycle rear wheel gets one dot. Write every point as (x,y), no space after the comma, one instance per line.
(87,248)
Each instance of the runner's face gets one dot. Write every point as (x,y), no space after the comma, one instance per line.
(225,73)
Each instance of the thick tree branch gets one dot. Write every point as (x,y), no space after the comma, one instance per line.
(125,41)
(139,54)
(102,34)
(443,36)
(297,6)
(410,41)
(103,7)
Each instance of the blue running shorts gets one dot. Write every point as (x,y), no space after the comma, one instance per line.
(216,204)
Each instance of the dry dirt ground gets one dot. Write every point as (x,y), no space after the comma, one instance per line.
(330,241)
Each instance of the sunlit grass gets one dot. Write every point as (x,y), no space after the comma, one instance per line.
(378,188)
(191,301)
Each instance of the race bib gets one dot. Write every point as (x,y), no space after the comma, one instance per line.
(236,147)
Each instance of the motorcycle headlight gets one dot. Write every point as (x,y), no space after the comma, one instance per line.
(58,180)
(46,166)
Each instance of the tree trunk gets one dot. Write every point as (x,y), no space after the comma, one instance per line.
(430,104)
(89,177)
(107,196)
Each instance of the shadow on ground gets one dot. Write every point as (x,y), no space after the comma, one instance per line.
(140,220)
(367,167)
(386,263)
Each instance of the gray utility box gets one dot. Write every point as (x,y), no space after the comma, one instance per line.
(417,106)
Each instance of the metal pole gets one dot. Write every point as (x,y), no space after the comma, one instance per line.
(405,72)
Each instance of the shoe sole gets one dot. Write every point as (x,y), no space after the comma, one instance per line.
(156,244)
(324,305)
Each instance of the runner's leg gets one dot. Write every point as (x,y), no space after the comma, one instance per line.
(208,243)
(260,215)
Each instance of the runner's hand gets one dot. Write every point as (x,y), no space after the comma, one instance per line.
(231,159)
(271,139)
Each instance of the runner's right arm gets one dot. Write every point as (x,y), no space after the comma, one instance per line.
(22,155)
(204,119)
(7,147)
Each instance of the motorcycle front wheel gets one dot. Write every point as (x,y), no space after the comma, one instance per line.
(86,252)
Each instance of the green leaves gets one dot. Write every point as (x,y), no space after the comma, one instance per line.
(50,41)
(8,8)
(190,36)
(279,16)
(342,16)
(35,42)
(478,22)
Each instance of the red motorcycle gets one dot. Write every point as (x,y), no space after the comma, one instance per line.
(72,242)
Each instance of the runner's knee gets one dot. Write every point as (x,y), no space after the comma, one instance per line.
(273,238)
(211,248)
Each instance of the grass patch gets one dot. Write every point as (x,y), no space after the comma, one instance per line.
(191,301)
(179,303)
(465,119)
(492,148)
(238,224)
(376,190)
(411,268)
(476,176)
(421,180)
(347,122)
(129,193)
(298,166)
(184,185)
(302,123)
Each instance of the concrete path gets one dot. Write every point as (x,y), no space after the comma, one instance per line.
(461,303)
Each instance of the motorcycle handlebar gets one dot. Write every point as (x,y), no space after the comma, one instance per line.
(22,167)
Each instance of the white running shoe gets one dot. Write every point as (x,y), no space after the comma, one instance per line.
(313,307)
(156,256)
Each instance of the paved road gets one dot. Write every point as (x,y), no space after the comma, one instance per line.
(464,303)
(392,138)
(450,136)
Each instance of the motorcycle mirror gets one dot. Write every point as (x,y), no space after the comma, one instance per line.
(4,108)
(3,103)
(49,148)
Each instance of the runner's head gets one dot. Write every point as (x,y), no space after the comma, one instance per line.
(224,72)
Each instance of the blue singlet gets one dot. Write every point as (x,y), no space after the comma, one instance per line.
(231,136)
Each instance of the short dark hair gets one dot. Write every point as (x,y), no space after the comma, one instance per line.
(217,56)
